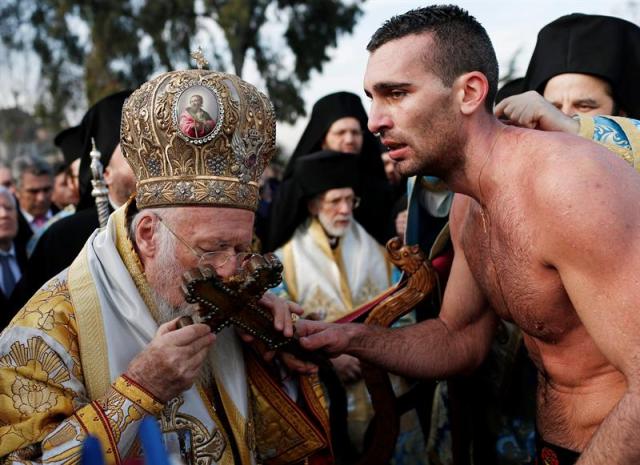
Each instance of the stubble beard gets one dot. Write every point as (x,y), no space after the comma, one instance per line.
(441,154)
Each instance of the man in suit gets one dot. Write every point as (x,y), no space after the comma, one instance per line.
(34,187)
(60,244)
(12,259)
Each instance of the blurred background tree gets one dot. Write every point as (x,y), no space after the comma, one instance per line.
(86,49)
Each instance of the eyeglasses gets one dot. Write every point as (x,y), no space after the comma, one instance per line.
(216,259)
(353,202)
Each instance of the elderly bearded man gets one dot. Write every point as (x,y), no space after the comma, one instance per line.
(331,267)
(543,230)
(338,122)
(97,348)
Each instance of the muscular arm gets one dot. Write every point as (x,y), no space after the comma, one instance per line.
(455,342)
(593,230)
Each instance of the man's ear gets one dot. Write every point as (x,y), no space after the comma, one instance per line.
(145,237)
(471,91)
(107,175)
(313,205)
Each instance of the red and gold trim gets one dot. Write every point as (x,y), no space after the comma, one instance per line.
(298,436)
(137,394)
(93,420)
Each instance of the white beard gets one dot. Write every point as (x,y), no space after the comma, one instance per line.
(330,228)
(170,272)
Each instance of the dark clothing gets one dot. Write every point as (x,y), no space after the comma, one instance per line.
(602,46)
(374,190)
(312,174)
(24,233)
(101,123)
(327,111)
(549,454)
(9,305)
(24,229)
(56,249)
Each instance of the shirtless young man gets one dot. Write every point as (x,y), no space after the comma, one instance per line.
(543,226)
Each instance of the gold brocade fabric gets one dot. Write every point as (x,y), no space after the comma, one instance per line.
(331,283)
(619,135)
(213,155)
(35,378)
(285,434)
(46,411)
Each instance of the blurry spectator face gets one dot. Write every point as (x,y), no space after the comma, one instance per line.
(334,210)
(34,193)
(581,94)
(119,178)
(8,219)
(390,169)
(344,135)
(65,189)
(6,180)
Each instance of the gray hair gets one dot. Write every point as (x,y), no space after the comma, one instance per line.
(7,193)
(165,238)
(32,164)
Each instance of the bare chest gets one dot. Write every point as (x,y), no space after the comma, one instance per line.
(503,253)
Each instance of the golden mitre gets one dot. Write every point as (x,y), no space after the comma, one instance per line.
(198,137)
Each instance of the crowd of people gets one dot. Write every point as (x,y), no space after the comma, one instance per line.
(522,198)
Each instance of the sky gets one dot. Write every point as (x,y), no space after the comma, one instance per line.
(512,25)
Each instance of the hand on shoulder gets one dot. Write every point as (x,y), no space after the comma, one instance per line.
(531,110)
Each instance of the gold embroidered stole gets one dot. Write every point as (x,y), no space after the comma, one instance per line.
(286,434)
(93,344)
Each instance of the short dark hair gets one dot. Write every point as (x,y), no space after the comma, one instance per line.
(462,44)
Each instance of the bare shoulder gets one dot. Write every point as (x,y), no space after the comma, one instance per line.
(569,167)
(579,190)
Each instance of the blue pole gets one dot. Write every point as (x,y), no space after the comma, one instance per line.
(150,436)
(91,452)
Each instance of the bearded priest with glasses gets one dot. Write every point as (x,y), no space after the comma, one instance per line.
(331,267)
(99,347)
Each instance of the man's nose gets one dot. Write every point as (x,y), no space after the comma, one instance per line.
(346,207)
(349,138)
(42,196)
(379,120)
(228,269)
(567,109)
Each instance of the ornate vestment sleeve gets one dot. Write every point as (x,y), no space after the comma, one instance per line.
(44,410)
(620,135)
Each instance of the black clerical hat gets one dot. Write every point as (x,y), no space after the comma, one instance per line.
(70,142)
(602,46)
(311,175)
(325,170)
(102,123)
(327,111)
